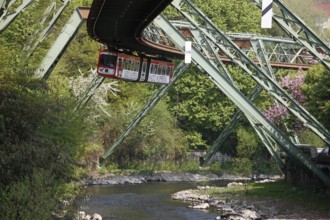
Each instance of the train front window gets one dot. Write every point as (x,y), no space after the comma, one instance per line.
(108,60)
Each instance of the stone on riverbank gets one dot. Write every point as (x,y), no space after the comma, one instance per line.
(83,216)
(156,177)
(189,195)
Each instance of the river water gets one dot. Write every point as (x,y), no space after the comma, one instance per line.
(147,201)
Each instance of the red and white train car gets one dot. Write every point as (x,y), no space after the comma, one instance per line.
(132,68)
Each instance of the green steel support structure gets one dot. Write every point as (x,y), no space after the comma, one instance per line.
(59,46)
(7,18)
(214,58)
(40,35)
(241,101)
(268,141)
(96,82)
(153,100)
(153,33)
(298,30)
(221,41)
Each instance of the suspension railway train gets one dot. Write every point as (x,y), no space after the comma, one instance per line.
(133,68)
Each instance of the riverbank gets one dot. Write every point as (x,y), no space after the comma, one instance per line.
(164,176)
(271,200)
(262,201)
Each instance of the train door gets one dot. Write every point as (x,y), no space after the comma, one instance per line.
(143,72)
(119,70)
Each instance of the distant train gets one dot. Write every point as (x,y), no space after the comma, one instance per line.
(133,68)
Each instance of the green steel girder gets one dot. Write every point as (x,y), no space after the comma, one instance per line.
(281,50)
(229,48)
(298,30)
(153,100)
(259,48)
(90,91)
(6,19)
(3,7)
(40,35)
(205,45)
(60,44)
(241,101)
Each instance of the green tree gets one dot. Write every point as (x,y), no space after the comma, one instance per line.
(231,15)
(317,84)
(39,145)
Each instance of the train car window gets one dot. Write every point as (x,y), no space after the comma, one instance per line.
(137,64)
(169,69)
(108,60)
(160,69)
(163,70)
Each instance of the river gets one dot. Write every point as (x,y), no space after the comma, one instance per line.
(147,201)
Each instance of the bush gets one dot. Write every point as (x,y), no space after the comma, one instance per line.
(39,146)
(216,169)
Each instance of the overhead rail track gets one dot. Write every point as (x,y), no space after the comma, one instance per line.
(281,52)
(125,20)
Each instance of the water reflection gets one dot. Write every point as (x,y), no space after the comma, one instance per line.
(143,201)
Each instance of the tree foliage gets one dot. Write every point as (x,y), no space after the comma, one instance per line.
(317,90)
(231,15)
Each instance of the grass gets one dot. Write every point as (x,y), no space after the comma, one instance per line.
(277,191)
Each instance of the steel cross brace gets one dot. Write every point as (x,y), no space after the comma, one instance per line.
(259,47)
(205,45)
(299,31)
(277,48)
(40,35)
(239,100)
(153,100)
(90,91)
(229,48)
(6,19)
(4,5)
(60,44)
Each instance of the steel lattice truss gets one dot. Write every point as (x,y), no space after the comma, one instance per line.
(297,30)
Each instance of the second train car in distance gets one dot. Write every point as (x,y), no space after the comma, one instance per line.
(133,68)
